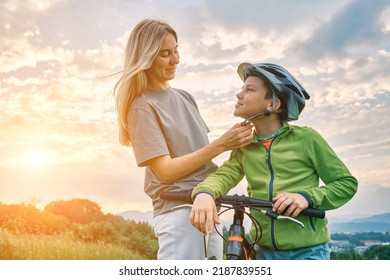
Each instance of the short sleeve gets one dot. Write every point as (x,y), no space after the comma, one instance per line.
(146,135)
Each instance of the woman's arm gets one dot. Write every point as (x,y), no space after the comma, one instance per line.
(170,170)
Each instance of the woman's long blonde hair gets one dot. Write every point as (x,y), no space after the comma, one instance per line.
(142,47)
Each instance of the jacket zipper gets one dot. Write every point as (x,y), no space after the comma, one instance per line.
(271,185)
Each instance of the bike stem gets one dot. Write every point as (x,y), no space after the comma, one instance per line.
(236,237)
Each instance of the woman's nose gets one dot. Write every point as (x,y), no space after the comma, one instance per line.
(176,59)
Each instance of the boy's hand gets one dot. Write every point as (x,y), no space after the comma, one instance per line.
(289,204)
(204,213)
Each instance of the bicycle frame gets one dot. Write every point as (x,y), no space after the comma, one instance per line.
(238,247)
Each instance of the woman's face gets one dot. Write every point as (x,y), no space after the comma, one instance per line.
(163,67)
(251,99)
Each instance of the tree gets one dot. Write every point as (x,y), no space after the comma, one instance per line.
(378,252)
(26,218)
(345,255)
(77,210)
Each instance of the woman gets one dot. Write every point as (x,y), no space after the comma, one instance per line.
(168,136)
(284,163)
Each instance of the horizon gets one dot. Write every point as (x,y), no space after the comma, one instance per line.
(59,136)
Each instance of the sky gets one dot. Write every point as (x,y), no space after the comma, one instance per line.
(58,65)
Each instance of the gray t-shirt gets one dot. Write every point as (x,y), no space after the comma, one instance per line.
(167,122)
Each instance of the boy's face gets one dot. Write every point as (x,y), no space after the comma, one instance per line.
(251,99)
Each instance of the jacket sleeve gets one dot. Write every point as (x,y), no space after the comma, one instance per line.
(339,185)
(226,177)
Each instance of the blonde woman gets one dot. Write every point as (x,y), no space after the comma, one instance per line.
(168,136)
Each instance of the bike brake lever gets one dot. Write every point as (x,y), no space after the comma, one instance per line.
(277,216)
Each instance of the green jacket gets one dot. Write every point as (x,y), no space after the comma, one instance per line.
(296,161)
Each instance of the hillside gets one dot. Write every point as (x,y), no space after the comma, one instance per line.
(137,216)
(376,223)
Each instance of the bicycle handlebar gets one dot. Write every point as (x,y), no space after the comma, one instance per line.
(182,196)
(185,196)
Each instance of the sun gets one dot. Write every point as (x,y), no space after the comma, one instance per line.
(35,159)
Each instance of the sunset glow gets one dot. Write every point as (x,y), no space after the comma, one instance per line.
(36,159)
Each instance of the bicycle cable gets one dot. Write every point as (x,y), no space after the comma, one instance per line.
(255,223)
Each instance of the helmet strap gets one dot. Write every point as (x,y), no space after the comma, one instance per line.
(274,101)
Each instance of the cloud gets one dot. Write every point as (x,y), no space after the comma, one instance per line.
(54,98)
(352,29)
(369,200)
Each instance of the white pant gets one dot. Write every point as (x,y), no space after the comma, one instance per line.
(179,240)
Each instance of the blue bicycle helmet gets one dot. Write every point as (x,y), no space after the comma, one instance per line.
(282,83)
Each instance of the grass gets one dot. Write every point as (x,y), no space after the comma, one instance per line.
(58,247)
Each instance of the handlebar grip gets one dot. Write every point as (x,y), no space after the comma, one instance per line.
(244,200)
(253,202)
(313,212)
(182,196)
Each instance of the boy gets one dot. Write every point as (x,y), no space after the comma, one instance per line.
(284,163)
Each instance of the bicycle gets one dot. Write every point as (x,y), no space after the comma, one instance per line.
(238,246)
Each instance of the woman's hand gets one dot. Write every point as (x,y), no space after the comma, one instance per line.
(204,213)
(236,137)
(289,204)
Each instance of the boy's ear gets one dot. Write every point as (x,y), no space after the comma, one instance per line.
(278,104)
